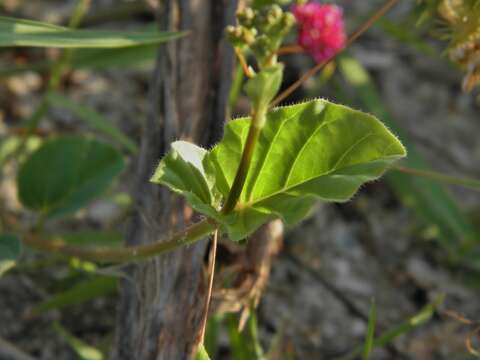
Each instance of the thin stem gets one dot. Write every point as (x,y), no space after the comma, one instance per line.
(290,49)
(211,272)
(187,236)
(361,29)
(448,179)
(243,62)
(242,171)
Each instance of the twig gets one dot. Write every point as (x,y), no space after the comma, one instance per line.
(187,236)
(211,272)
(361,29)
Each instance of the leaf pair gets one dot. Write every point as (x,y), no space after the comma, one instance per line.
(312,151)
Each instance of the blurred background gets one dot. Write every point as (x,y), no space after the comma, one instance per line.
(409,241)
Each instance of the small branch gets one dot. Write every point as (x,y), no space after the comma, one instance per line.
(469,183)
(187,236)
(211,272)
(361,29)
(243,62)
(291,49)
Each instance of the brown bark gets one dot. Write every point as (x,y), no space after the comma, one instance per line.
(249,269)
(161,303)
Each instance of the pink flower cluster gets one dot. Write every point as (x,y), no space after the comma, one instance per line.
(321,29)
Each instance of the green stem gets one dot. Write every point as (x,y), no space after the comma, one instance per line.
(256,125)
(187,236)
(472,184)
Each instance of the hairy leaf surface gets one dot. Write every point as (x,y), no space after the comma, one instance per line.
(312,151)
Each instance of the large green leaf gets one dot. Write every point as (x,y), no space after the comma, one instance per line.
(66,173)
(306,152)
(21,32)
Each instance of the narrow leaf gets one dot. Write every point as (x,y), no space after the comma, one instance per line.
(66,173)
(79,293)
(94,119)
(83,350)
(372,319)
(405,327)
(21,32)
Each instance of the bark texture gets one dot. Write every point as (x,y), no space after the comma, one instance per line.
(162,300)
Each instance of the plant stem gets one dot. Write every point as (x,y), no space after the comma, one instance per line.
(361,29)
(211,272)
(187,236)
(243,63)
(242,171)
(469,183)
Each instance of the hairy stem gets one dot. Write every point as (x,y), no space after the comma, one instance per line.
(242,171)
(187,236)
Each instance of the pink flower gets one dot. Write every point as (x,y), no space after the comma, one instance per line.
(321,31)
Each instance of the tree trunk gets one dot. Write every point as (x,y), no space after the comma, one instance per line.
(160,310)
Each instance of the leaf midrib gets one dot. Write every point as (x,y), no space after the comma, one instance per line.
(270,146)
(252,204)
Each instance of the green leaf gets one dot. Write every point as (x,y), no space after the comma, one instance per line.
(21,32)
(424,315)
(79,293)
(368,346)
(202,353)
(66,173)
(182,170)
(315,150)
(10,251)
(94,119)
(263,87)
(83,350)
(306,152)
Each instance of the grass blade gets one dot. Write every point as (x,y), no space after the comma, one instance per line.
(83,350)
(21,32)
(372,319)
(408,325)
(94,119)
(79,293)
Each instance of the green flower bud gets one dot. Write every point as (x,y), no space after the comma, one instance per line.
(246,17)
